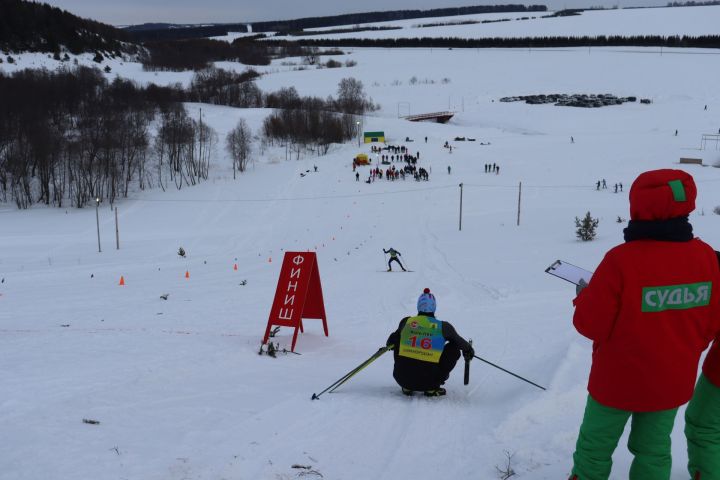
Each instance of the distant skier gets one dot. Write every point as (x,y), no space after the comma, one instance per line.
(357,176)
(426,350)
(448,169)
(394,258)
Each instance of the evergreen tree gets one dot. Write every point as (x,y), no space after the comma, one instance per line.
(586,228)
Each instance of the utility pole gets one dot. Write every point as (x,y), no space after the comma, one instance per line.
(117,231)
(200,141)
(461,193)
(97,220)
(519,197)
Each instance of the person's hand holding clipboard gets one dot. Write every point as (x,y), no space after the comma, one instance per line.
(570,273)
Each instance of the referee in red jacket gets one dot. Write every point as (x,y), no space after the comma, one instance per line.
(651,308)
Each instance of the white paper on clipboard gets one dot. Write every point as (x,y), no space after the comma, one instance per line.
(569,272)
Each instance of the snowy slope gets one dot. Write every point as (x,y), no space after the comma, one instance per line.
(645,21)
(177,386)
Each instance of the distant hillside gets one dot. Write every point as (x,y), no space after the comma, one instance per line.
(371,17)
(164,31)
(39,27)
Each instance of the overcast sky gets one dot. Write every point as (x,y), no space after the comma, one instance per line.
(124,12)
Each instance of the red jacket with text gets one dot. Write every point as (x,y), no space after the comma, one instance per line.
(651,308)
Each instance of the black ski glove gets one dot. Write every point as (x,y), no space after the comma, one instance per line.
(469,354)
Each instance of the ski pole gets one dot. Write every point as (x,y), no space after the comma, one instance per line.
(466,379)
(352,372)
(511,373)
(344,378)
(362,366)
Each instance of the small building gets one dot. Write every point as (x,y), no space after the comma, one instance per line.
(691,161)
(371,137)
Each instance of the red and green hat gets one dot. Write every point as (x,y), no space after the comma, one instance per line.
(662,194)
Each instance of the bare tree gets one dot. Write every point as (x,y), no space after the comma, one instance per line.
(238,143)
(351,96)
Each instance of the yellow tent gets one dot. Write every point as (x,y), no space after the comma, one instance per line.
(361,159)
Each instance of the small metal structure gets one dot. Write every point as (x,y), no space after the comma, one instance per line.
(710,137)
(439,117)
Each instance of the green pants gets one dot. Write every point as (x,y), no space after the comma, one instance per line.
(600,432)
(702,429)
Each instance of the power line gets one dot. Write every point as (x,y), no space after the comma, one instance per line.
(293,199)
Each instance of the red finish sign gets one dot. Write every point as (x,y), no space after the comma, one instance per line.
(298,295)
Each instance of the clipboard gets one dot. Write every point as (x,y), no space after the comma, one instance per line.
(569,272)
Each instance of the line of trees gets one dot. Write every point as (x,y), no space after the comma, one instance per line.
(693,4)
(373,17)
(685,41)
(70,136)
(198,54)
(311,124)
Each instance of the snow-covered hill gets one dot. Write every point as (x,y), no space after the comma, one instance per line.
(177,385)
(625,22)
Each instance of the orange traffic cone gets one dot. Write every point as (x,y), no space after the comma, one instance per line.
(187,274)
(122,281)
(235,267)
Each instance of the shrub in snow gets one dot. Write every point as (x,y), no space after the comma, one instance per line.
(716,210)
(98,58)
(10,59)
(333,64)
(350,63)
(107,69)
(586,228)
(181,252)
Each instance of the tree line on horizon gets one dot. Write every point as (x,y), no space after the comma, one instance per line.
(677,41)
(390,15)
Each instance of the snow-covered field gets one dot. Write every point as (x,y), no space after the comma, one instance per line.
(177,385)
